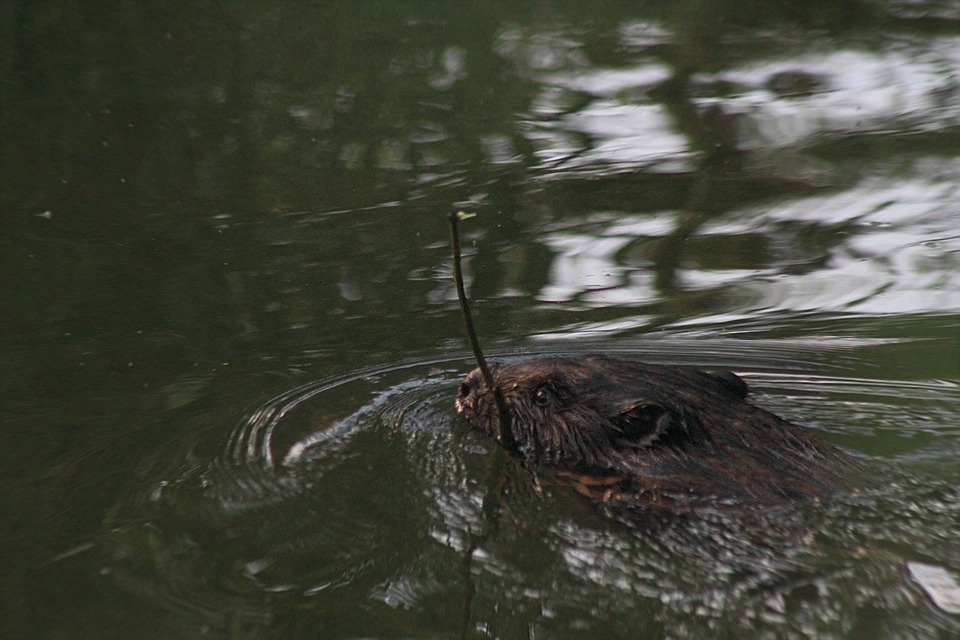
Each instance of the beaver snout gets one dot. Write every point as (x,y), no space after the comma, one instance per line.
(467,394)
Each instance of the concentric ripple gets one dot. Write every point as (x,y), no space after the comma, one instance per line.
(349,506)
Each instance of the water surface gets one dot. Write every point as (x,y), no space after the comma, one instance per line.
(230,336)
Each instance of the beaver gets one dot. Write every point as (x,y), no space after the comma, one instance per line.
(621,430)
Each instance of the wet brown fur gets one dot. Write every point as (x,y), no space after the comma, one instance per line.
(628,431)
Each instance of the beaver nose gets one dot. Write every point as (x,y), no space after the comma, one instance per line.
(466,395)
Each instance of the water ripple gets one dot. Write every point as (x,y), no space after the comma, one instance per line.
(341,496)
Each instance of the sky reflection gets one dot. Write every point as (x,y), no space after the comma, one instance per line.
(885,242)
(891,247)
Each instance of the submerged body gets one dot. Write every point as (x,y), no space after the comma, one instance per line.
(656,434)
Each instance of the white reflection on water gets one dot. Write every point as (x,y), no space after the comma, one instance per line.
(780,104)
(893,248)
(609,82)
(888,244)
(640,34)
(621,135)
(628,136)
(853,92)
(902,254)
(585,267)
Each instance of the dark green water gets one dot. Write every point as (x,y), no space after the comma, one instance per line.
(209,207)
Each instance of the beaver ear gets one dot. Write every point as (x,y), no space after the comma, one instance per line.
(732,383)
(643,424)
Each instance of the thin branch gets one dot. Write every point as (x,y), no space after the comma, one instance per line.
(504,434)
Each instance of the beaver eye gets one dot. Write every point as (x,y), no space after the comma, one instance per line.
(543,396)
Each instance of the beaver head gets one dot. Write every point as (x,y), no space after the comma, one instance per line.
(655,429)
